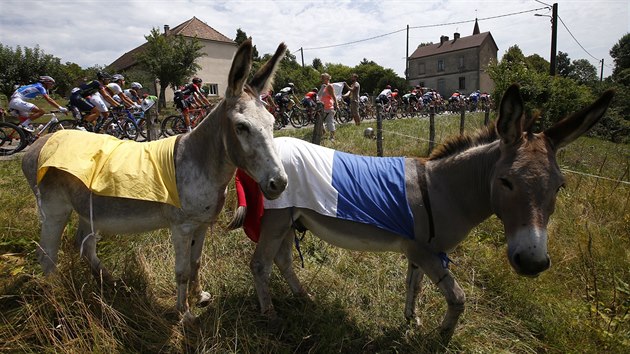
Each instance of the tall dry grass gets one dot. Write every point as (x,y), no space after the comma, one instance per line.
(580,305)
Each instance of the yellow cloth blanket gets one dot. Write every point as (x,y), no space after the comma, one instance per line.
(113,167)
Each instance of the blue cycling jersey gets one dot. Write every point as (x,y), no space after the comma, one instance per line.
(31,91)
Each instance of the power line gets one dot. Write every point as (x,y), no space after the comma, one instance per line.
(424,26)
(578,42)
(479,19)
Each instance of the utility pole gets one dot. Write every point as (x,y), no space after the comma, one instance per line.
(601,71)
(407,58)
(554,39)
(302,52)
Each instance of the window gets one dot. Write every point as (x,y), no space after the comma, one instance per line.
(462,83)
(421,69)
(440,65)
(213,89)
(461,62)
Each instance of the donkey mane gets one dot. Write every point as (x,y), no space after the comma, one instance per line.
(460,143)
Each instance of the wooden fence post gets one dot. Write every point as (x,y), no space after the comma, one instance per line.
(318,128)
(431,128)
(462,120)
(486,116)
(379,130)
(153,128)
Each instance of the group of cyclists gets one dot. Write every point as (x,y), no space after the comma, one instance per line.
(92,99)
(96,97)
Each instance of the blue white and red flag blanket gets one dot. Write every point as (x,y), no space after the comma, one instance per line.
(365,189)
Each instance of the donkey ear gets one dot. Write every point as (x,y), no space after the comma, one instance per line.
(241,66)
(510,122)
(572,127)
(263,79)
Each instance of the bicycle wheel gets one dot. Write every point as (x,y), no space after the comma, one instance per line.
(12,139)
(128,129)
(296,118)
(173,125)
(142,128)
(63,124)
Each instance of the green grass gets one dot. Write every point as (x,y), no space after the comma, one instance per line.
(580,305)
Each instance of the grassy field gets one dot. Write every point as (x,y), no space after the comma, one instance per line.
(580,305)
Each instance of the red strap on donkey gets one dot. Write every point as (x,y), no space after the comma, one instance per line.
(250,196)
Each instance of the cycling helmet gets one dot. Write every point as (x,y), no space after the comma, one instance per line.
(103,75)
(117,77)
(291,84)
(46,79)
(196,80)
(136,86)
(368,133)
(315,89)
(395,90)
(388,87)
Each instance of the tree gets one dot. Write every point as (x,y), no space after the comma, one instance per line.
(24,65)
(241,36)
(537,63)
(172,59)
(317,64)
(563,64)
(583,72)
(620,52)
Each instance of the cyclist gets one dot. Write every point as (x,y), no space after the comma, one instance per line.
(310,99)
(91,96)
(282,99)
(474,99)
(28,111)
(385,95)
(114,89)
(189,96)
(133,92)
(267,100)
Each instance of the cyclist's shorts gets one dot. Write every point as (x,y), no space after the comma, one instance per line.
(80,102)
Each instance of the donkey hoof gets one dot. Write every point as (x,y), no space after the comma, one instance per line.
(188,319)
(204,299)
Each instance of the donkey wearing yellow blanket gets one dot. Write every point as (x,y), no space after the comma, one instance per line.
(237,133)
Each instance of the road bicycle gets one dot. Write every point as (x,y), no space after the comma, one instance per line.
(176,124)
(15,138)
(117,124)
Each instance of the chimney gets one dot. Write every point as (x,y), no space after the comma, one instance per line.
(443,39)
(167,29)
(455,36)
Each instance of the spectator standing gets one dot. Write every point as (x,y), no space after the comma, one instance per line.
(354,92)
(327,97)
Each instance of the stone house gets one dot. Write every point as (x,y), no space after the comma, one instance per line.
(215,64)
(457,64)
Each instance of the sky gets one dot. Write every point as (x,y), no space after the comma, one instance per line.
(96,32)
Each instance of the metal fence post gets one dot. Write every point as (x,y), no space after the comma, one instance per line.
(379,130)
(431,128)
(318,128)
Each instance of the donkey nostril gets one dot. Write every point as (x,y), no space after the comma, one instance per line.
(517,259)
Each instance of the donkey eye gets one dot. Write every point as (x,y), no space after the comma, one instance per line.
(506,183)
(241,128)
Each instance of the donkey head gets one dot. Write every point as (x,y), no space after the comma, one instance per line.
(249,126)
(527,178)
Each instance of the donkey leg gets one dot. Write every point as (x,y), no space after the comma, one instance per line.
(284,262)
(55,212)
(414,286)
(194,286)
(443,279)
(85,242)
(182,242)
(273,232)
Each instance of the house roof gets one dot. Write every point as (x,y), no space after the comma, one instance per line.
(191,28)
(453,45)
